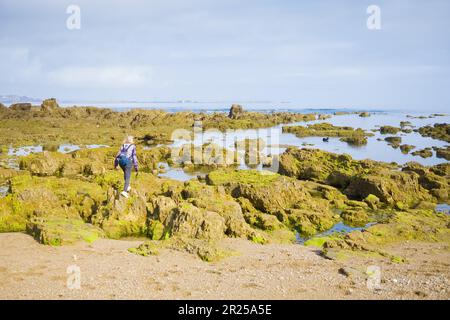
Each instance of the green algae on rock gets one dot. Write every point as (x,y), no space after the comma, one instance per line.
(82,125)
(406,148)
(208,155)
(389,130)
(347,134)
(290,200)
(57,231)
(394,142)
(439,131)
(356,179)
(443,152)
(424,153)
(435,179)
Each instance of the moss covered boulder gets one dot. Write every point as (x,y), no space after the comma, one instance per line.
(394,142)
(423,153)
(347,134)
(389,130)
(435,179)
(356,179)
(406,148)
(288,199)
(439,131)
(61,231)
(443,153)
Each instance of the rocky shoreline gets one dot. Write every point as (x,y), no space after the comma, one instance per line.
(63,198)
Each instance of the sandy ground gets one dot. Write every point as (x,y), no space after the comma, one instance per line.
(29,270)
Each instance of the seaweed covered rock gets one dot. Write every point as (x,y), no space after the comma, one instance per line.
(208,155)
(394,142)
(347,134)
(257,218)
(389,130)
(355,140)
(321,166)
(267,191)
(43,164)
(6,174)
(190,221)
(406,148)
(87,162)
(122,217)
(308,222)
(53,164)
(357,217)
(215,199)
(49,105)
(32,197)
(356,179)
(439,131)
(288,199)
(424,153)
(443,153)
(57,231)
(436,179)
(391,187)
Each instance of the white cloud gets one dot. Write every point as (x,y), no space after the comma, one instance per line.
(102,76)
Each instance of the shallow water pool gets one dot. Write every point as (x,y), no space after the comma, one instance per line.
(176,173)
(276,141)
(3,191)
(443,207)
(339,227)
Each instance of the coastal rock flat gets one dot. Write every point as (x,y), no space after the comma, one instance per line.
(29,270)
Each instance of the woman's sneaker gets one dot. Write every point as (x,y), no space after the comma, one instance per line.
(124,193)
(129,189)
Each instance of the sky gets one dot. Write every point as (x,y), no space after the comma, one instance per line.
(310,53)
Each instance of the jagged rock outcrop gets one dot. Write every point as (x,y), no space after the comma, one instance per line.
(236,111)
(435,179)
(288,199)
(356,179)
(49,105)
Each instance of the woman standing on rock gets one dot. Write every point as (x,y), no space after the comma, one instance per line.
(126,158)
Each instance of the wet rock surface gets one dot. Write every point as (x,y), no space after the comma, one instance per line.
(347,134)
(440,131)
(61,198)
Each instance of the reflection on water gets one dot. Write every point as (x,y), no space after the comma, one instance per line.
(339,227)
(3,191)
(64,148)
(276,141)
(375,150)
(175,173)
(13,153)
(443,207)
(24,151)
